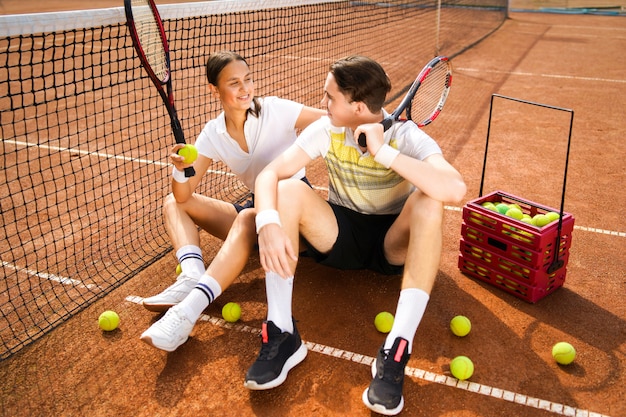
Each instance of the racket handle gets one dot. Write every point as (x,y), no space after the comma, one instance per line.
(387,123)
(179,136)
(362,140)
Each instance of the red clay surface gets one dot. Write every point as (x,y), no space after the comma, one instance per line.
(570,61)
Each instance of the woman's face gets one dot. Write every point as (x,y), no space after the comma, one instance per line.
(235,87)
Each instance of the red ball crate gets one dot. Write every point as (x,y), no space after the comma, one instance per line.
(512,255)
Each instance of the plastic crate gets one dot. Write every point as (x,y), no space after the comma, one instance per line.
(510,254)
(504,281)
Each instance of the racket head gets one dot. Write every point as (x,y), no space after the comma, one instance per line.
(149,40)
(429,91)
(426,96)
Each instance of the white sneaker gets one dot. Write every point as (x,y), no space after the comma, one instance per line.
(172,295)
(171,331)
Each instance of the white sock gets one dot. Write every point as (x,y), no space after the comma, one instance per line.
(411,306)
(279,293)
(205,292)
(190,260)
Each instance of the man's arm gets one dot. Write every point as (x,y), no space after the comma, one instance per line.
(434,176)
(275,248)
(284,166)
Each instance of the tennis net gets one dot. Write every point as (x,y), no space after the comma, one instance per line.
(85,137)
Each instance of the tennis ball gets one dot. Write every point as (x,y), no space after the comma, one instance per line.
(189,152)
(515,213)
(462,367)
(460,325)
(540,220)
(563,353)
(179,269)
(502,208)
(383,321)
(109,320)
(231,312)
(527,220)
(489,205)
(552,216)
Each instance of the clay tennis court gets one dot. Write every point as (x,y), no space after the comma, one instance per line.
(572,61)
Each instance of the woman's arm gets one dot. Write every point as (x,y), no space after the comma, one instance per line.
(307,116)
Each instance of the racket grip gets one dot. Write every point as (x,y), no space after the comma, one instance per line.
(387,123)
(190,172)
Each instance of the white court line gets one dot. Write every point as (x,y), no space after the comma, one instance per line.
(51,277)
(164,164)
(148,161)
(581,228)
(510,396)
(531,74)
(104,155)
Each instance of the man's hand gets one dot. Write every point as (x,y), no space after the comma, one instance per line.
(276,250)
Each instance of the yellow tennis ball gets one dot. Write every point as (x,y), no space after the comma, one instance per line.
(108,320)
(189,152)
(552,216)
(563,353)
(462,367)
(515,213)
(489,206)
(460,325)
(179,269)
(383,321)
(540,220)
(231,312)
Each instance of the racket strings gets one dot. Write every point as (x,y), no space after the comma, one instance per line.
(431,95)
(150,39)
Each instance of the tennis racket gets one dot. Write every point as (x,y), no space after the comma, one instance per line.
(146,30)
(425,98)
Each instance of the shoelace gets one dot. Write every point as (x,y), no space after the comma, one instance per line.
(392,371)
(270,348)
(172,320)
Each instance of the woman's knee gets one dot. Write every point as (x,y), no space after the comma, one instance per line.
(169,203)
(246,220)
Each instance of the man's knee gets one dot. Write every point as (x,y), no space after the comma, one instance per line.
(290,192)
(425,208)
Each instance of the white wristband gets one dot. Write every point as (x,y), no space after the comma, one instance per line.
(265,217)
(386,155)
(179,176)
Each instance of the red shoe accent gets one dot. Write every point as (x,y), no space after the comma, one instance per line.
(400,350)
(264,332)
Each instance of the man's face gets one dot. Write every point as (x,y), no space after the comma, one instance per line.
(341,110)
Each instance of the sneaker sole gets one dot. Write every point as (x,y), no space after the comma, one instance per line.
(157,308)
(293,360)
(148,340)
(380,409)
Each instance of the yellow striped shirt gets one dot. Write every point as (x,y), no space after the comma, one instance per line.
(356,181)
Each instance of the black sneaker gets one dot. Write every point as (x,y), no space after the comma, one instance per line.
(384,395)
(280,352)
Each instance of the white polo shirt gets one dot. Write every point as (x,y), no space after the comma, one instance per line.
(267,137)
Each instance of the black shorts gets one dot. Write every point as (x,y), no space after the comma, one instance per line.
(360,242)
(250,202)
